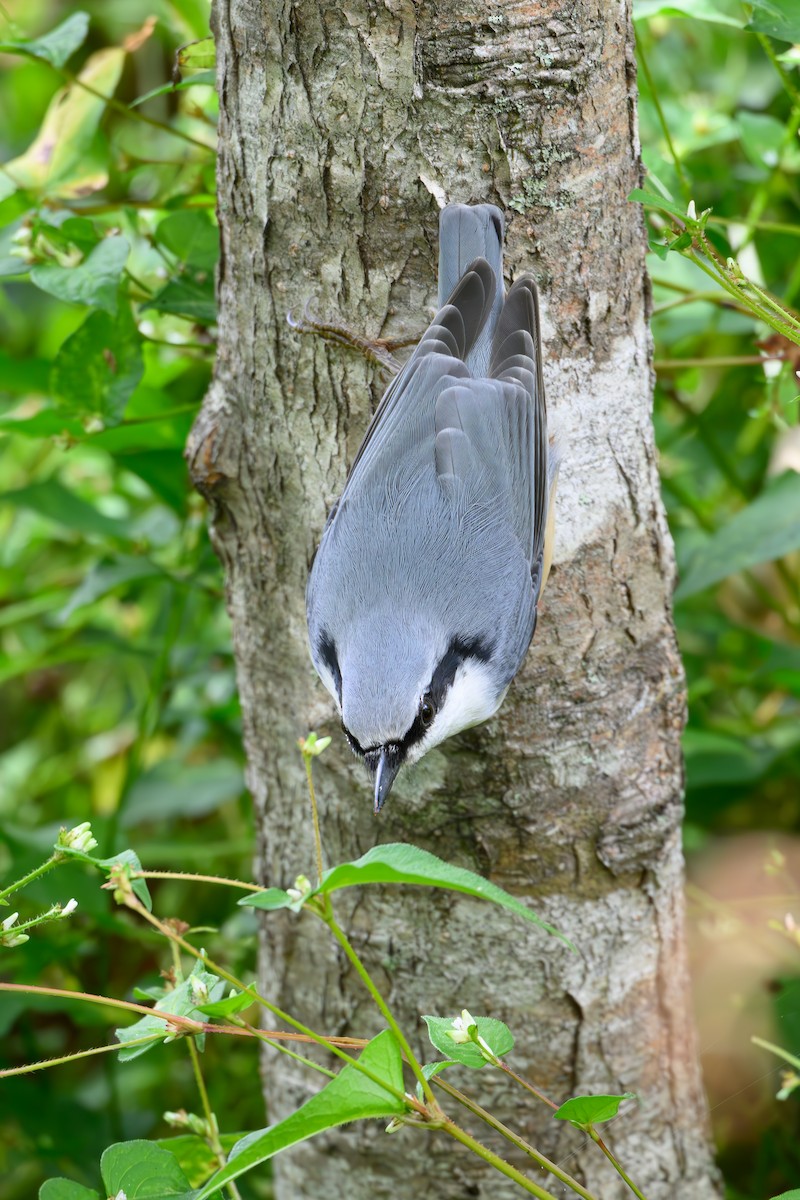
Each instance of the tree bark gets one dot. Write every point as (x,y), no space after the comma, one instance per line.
(344,124)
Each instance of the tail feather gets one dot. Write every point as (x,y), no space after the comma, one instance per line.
(467,232)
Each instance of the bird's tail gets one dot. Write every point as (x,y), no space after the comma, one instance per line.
(467,232)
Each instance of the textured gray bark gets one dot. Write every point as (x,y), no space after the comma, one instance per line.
(343,124)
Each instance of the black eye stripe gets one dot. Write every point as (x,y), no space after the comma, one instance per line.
(458,651)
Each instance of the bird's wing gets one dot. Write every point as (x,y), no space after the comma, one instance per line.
(517,358)
(496,428)
(441,351)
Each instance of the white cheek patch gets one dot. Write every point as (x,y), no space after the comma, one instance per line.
(472,698)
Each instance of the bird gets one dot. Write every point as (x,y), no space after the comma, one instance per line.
(422,596)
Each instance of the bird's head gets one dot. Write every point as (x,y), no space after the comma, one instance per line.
(401,690)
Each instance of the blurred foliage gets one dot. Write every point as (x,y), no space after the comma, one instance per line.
(117,687)
(719,115)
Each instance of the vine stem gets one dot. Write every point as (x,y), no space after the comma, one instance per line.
(663,122)
(494,1123)
(51,862)
(372,988)
(263,1036)
(132,902)
(110,1002)
(495,1160)
(595,1136)
(211,1120)
(29,1068)
(314,814)
(744,360)
(118,106)
(189,877)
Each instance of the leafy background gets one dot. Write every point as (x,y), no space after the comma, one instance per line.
(117,689)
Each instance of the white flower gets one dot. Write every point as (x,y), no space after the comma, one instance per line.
(9,921)
(302,887)
(68,908)
(79,838)
(199,990)
(461,1027)
(465,1029)
(691,211)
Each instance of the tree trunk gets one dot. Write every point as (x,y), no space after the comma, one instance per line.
(344,125)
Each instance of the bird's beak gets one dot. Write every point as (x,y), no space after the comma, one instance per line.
(389,764)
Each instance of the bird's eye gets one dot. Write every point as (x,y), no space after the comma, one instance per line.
(427,712)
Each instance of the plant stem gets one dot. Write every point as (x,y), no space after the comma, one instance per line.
(270,1041)
(240,1029)
(189,877)
(687,191)
(211,1120)
(766,226)
(744,360)
(514,1138)
(91,998)
(786,80)
(498,1062)
(314,814)
(494,1160)
(134,114)
(372,988)
(132,902)
(595,1136)
(29,1068)
(53,861)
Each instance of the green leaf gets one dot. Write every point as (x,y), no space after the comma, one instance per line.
(99,367)
(56,46)
(791,1059)
(591,1110)
(103,578)
(651,200)
(777,18)
(194,14)
(271,899)
(229,1006)
(794,1194)
(173,789)
(63,159)
(65,1189)
(718,759)
(763,137)
(398,862)
(187,298)
(52,500)
(198,55)
(164,471)
(434,1068)
(201,79)
(179,1002)
(143,1171)
(192,237)
(496,1034)
(125,858)
(765,530)
(351,1096)
(195,1157)
(682,242)
(701,10)
(94,282)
